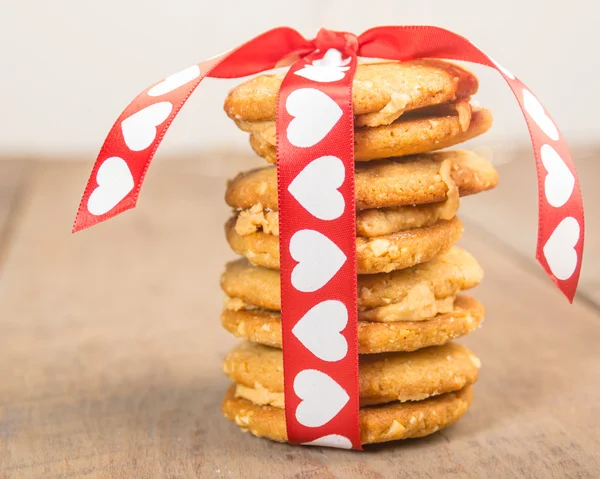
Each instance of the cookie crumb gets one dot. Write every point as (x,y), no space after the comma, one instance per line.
(379,247)
(396,429)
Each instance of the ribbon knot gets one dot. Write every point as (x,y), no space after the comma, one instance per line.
(343,41)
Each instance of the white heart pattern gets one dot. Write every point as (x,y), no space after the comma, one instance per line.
(559,250)
(172,82)
(114,183)
(319,330)
(331,440)
(316,187)
(319,259)
(560,181)
(328,69)
(538,114)
(321,398)
(139,130)
(315,114)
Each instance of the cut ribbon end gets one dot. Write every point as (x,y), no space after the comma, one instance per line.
(83,222)
(567,289)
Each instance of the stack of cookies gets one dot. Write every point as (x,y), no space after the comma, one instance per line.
(411,276)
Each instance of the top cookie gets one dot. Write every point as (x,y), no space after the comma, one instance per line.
(381,91)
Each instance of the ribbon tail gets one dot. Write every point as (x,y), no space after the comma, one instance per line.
(561,222)
(121,166)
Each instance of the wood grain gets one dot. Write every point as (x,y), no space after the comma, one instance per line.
(12,174)
(110,352)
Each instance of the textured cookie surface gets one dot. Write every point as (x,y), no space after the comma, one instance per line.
(443,276)
(385,221)
(373,255)
(369,223)
(392,87)
(264,327)
(387,422)
(258,373)
(404,137)
(380,184)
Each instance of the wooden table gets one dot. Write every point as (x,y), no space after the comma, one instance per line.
(111,347)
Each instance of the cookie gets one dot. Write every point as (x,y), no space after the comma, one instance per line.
(373,255)
(264,327)
(406,136)
(406,294)
(387,422)
(382,184)
(381,91)
(264,132)
(257,372)
(385,221)
(369,223)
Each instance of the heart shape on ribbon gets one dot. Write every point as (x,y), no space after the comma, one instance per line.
(315,114)
(560,182)
(559,250)
(328,69)
(114,183)
(139,130)
(316,187)
(319,330)
(174,81)
(538,114)
(331,440)
(319,259)
(321,398)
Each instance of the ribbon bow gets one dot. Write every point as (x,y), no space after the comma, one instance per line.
(321,76)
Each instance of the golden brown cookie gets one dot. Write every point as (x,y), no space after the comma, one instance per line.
(387,422)
(264,327)
(258,373)
(381,91)
(373,255)
(406,136)
(264,132)
(383,297)
(380,184)
(385,221)
(369,223)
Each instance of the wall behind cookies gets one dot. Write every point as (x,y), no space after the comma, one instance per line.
(68,67)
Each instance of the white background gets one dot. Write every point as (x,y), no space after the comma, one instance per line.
(69,67)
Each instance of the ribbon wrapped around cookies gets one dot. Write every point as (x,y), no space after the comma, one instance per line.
(314,143)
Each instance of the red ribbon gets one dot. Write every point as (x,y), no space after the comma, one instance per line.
(317,244)
(121,166)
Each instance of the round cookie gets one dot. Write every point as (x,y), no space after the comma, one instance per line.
(387,422)
(381,184)
(385,221)
(381,92)
(373,255)
(257,372)
(264,327)
(442,277)
(406,136)
(369,223)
